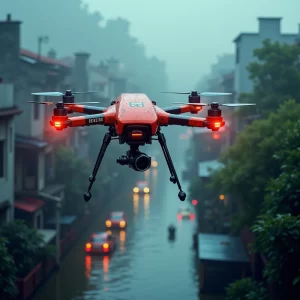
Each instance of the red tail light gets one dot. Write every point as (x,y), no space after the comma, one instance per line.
(179,216)
(137,134)
(192,216)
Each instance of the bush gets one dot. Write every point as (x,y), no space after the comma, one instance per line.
(246,289)
(8,289)
(25,244)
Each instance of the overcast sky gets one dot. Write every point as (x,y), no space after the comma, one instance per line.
(190,34)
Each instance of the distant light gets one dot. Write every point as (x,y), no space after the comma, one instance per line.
(194,202)
(222,197)
(216,136)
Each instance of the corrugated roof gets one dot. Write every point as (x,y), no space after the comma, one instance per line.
(30,141)
(207,167)
(219,247)
(29,205)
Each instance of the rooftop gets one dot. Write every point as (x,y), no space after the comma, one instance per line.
(219,247)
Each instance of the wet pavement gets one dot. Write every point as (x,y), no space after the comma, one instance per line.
(146,265)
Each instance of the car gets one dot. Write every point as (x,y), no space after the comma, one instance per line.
(100,243)
(185,213)
(116,219)
(142,187)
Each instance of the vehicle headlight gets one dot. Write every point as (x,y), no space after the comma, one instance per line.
(108,223)
(136,190)
(154,163)
(146,190)
(122,224)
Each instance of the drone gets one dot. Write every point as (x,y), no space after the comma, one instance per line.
(135,120)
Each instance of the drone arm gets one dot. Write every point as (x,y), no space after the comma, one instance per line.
(85,109)
(172,119)
(176,110)
(105,119)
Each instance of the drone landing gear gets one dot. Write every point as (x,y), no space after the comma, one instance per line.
(106,140)
(174,177)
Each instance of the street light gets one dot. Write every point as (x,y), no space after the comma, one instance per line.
(221,197)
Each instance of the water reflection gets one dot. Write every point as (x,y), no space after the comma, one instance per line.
(147,174)
(146,206)
(154,176)
(122,240)
(88,266)
(135,205)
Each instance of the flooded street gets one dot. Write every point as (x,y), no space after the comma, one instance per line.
(146,265)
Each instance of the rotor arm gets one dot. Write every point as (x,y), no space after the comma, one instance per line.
(177,110)
(85,109)
(172,119)
(105,119)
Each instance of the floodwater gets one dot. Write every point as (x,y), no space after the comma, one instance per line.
(146,265)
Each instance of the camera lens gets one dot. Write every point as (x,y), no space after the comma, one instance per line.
(142,162)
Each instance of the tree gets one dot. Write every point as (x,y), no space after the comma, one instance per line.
(283,192)
(25,244)
(8,289)
(278,238)
(275,75)
(246,289)
(74,173)
(249,164)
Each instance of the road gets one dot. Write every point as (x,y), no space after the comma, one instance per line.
(146,264)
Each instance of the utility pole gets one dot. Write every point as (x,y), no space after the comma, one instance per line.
(41,40)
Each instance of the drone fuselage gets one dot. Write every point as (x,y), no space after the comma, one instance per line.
(136,119)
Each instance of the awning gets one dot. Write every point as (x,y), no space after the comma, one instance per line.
(30,142)
(221,247)
(48,234)
(29,205)
(64,220)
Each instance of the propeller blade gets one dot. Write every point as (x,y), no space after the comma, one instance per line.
(210,94)
(175,93)
(195,104)
(75,93)
(36,102)
(50,94)
(237,104)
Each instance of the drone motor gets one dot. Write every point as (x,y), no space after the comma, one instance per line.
(194,97)
(60,115)
(214,117)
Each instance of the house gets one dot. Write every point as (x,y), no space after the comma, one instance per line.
(8,113)
(245,43)
(223,259)
(35,184)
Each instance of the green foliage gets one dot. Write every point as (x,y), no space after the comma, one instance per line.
(25,244)
(246,289)
(249,164)
(278,238)
(284,191)
(74,173)
(8,289)
(275,75)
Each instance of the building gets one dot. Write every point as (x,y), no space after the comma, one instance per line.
(34,181)
(8,112)
(245,43)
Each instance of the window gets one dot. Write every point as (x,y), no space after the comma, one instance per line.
(237,55)
(31,165)
(36,107)
(39,221)
(2,159)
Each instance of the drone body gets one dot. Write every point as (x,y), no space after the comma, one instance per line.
(135,120)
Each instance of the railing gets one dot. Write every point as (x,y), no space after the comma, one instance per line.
(6,95)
